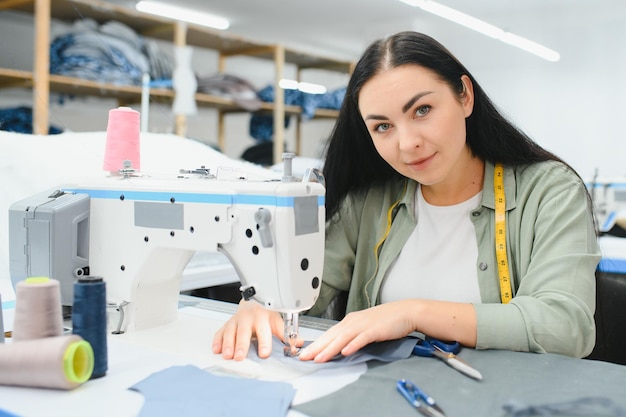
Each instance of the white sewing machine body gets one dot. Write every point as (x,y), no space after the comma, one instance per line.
(142,231)
(609,197)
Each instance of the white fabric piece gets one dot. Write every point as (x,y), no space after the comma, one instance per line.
(184,82)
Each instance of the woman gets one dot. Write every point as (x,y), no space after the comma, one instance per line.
(411,233)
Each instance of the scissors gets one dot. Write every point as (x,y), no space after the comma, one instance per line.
(423,402)
(446,351)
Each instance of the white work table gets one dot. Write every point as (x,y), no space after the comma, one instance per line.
(133,356)
(522,379)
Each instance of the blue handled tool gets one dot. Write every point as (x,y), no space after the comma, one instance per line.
(423,402)
(446,351)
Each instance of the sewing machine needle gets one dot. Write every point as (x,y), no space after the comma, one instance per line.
(291,334)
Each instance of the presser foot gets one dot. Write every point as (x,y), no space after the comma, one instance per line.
(291,335)
(291,351)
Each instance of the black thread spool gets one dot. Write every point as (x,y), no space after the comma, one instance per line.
(89,319)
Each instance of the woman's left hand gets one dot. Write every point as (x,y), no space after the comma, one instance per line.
(440,319)
(383,322)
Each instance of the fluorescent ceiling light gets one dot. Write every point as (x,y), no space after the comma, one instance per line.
(530,46)
(484,28)
(304,87)
(185,15)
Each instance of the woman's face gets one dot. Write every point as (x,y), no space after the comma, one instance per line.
(417,123)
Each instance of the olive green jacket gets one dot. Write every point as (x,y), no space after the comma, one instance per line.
(552,252)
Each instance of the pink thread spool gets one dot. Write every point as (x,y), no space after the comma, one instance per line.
(38,311)
(122,141)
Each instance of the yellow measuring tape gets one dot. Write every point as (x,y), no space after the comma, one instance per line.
(503,263)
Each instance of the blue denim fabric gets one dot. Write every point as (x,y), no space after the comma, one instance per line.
(262,125)
(20,119)
(111,53)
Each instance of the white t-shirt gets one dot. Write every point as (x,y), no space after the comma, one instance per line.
(438,262)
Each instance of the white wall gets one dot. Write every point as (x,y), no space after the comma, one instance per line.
(574,107)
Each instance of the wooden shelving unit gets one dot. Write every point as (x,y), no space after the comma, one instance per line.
(42,83)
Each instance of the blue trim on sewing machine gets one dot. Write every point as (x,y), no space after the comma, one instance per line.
(612,265)
(257,199)
(606,185)
(609,221)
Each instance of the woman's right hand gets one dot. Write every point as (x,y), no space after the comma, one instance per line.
(232,340)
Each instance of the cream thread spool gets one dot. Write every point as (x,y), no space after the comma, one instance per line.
(61,362)
(122,140)
(38,311)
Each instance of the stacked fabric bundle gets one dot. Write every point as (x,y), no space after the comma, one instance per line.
(262,126)
(20,119)
(111,53)
(231,86)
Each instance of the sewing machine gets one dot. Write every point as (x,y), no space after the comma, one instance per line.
(138,232)
(609,198)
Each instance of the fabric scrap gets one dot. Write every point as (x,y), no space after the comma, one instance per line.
(387,351)
(192,392)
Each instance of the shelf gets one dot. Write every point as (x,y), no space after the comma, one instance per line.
(101,12)
(164,29)
(10,78)
(61,84)
(78,86)
(226,44)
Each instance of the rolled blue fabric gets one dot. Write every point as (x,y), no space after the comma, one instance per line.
(89,319)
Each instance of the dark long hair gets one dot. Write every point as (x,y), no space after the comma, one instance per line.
(352,162)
